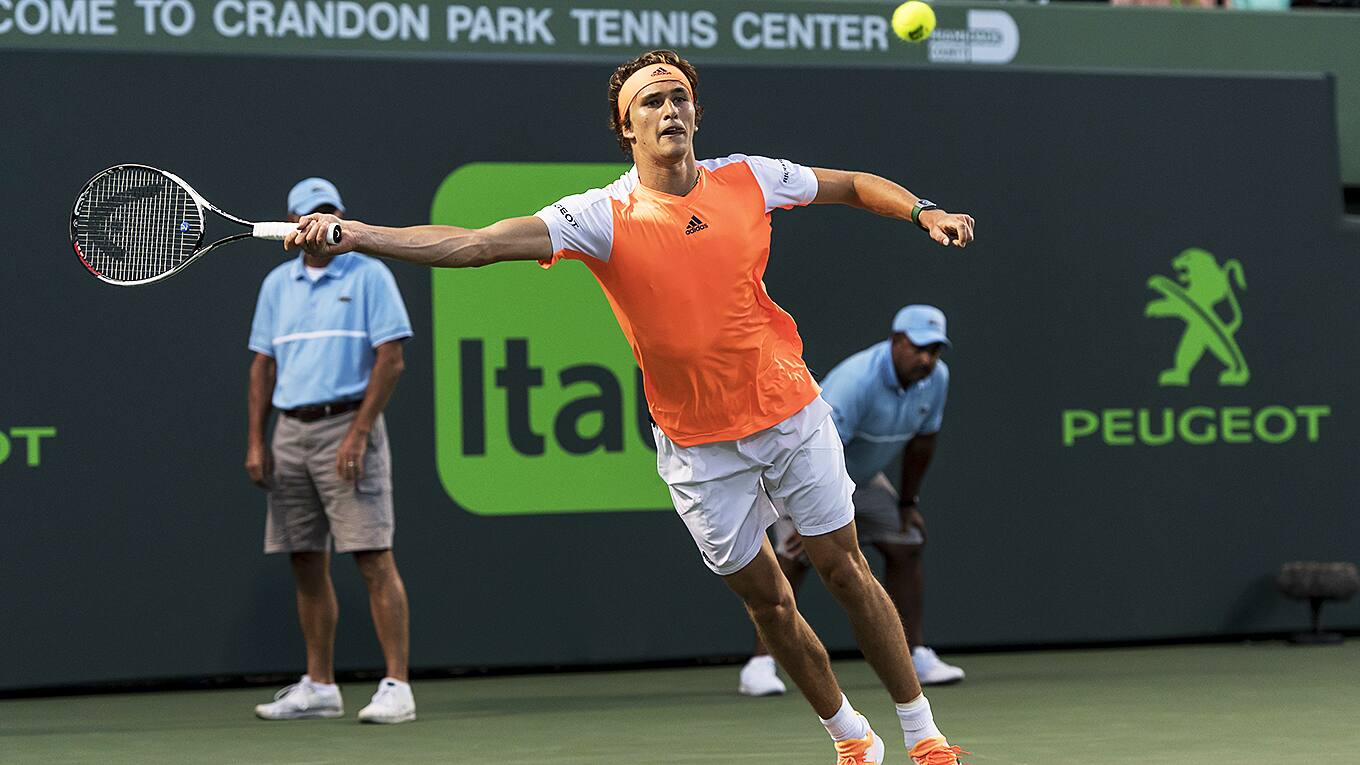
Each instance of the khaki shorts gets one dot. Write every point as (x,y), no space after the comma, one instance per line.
(309,504)
(726,492)
(877,519)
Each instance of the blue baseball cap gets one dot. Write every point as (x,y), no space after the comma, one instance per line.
(310,193)
(922,324)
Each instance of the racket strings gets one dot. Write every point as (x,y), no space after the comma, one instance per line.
(134,223)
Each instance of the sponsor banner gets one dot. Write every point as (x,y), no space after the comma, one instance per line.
(535,385)
(1203,295)
(787,30)
(22,446)
(770,32)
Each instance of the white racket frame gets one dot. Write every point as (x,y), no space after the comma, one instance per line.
(270,230)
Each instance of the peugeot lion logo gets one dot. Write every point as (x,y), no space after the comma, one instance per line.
(1201,285)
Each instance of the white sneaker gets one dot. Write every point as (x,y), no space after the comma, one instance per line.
(303,700)
(931,669)
(758,678)
(393,703)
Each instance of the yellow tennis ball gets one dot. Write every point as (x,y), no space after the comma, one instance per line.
(913,21)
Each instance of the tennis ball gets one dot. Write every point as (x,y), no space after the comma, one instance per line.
(913,21)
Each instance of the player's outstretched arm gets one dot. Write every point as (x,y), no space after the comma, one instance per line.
(882,196)
(434,246)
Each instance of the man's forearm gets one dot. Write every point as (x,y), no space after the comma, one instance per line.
(432,246)
(881,196)
(915,460)
(258,404)
(381,382)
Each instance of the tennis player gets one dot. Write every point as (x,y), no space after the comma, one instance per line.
(680,248)
(888,403)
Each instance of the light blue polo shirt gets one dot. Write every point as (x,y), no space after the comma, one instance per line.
(874,415)
(322,334)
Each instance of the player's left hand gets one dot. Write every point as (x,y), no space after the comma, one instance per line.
(349,458)
(912,519)
(948,228)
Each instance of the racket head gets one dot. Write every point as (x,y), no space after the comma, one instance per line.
(136,224)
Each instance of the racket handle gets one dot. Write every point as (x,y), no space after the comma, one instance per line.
(280,230)
(273,230)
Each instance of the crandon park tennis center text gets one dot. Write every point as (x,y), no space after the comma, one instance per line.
(456,23)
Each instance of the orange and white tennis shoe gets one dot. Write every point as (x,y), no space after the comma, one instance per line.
(860,751)
(935,751)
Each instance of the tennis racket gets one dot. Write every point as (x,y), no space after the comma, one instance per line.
(135,224)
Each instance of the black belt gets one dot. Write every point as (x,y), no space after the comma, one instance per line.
(322,411)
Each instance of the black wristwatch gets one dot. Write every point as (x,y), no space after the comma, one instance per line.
(921,206)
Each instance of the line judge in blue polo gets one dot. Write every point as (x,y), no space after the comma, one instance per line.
(887,400)
(327,337)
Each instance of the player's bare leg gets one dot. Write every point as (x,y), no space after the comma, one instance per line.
(769,600)
(878,628)
(317,612)
(388,604)
(760,675)
(795,570)
(881,637)
(904,580)
(768,597)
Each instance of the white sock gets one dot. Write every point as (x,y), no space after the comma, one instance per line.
(394,681)
(323,686)
(761,661)
(846,724)
(917,722)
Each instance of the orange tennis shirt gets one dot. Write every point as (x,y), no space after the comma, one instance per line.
(684,276)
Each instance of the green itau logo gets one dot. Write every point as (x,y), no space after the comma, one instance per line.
(1193,297)
(538,400)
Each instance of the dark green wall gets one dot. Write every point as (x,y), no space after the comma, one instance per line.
(133,549)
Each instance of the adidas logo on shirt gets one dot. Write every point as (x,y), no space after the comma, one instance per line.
(695,225)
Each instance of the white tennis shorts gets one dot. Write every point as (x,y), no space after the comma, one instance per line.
(727,492)
(877,519)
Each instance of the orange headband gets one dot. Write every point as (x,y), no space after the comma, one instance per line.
(644,77)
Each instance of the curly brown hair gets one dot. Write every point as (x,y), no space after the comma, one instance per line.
(625,71)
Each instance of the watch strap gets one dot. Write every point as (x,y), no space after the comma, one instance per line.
(921,206)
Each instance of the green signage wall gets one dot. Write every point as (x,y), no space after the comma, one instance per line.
(1152,404)
(535,383)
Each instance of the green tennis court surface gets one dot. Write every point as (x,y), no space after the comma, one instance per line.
(1238,705)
